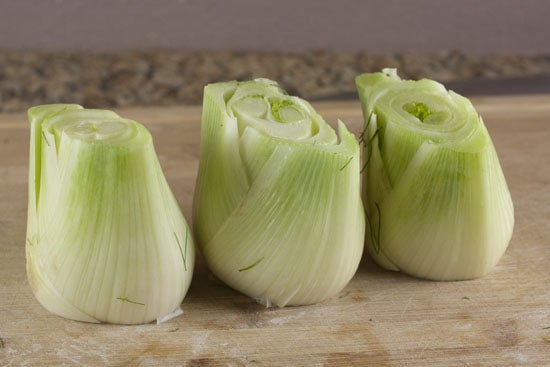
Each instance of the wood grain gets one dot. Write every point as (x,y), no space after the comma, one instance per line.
(380,319)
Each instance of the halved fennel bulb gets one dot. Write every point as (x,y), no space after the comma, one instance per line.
(277,208)
(437,202)
(106,239)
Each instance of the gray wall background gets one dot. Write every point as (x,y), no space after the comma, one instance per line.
(375,26)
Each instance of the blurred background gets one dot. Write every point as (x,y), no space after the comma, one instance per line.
(117,53)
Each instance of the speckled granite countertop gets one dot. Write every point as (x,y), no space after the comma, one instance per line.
(174,78)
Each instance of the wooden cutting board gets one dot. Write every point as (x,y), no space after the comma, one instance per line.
(381,318)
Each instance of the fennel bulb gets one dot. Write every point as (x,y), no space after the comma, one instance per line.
(277,207)
(437,202)
(106,240)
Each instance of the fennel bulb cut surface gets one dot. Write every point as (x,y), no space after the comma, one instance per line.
(437,202)
(106,239)
(277,208)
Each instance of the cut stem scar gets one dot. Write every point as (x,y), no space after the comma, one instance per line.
(418,110)
(252,265)
(124,299)
(183,251)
